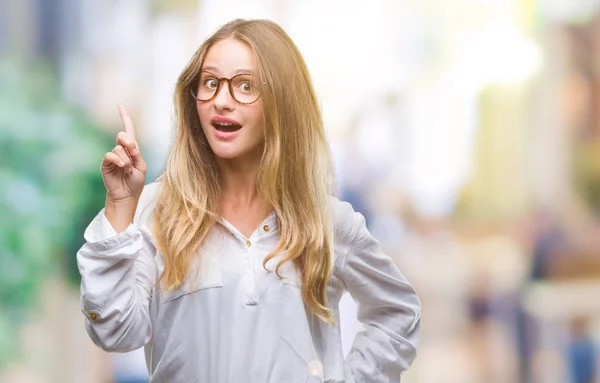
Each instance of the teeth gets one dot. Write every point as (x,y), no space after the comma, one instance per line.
(224,123)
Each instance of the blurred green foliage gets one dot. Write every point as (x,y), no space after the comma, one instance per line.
(50,154)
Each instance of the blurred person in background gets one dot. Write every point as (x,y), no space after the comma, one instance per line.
(230,266)
(581,352)
(547,237)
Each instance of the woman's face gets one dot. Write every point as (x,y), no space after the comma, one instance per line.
(233,130)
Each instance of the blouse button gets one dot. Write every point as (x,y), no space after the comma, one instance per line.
(266,228)
(93,316)
(248,243)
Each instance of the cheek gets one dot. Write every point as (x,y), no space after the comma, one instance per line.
(256,116)
(202,114)
(258,125)
(200,109)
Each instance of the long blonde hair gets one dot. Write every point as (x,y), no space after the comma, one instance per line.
(294,173)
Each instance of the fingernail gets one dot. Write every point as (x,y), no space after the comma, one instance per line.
(134,152)
(121,163)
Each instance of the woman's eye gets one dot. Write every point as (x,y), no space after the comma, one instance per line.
(246,86)
(211,83)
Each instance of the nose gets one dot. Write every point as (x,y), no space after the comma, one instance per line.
(224,99)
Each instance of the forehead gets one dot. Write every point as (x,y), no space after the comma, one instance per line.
(229,57)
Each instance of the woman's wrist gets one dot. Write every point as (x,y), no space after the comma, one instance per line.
(120,213)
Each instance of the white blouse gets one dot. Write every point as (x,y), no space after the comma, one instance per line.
(233,321)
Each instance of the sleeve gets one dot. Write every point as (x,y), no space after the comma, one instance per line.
(118,273)
(388,307)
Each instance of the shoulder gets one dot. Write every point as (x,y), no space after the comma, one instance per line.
(147,202)
(150,192)
(346,221)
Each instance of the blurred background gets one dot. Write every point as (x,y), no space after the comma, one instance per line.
(466,131)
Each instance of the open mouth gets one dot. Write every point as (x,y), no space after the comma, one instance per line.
(226,126)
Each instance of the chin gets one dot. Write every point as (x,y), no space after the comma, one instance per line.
(226,153)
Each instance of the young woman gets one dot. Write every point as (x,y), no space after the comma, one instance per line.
(230,267)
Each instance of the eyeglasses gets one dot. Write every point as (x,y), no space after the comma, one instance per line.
(242,87)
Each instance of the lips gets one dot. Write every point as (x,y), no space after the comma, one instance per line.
(224,124)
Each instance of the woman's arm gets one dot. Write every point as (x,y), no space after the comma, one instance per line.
(388,307)
(118,273)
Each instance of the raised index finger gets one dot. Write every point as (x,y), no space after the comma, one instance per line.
(127,123)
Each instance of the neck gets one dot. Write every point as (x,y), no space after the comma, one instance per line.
(239,178)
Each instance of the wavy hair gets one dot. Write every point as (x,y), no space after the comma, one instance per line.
(295,172)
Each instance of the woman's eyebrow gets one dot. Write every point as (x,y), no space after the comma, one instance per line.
(216,70)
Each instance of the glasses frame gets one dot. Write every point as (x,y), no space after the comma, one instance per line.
(220,85)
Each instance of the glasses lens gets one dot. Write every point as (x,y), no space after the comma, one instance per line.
(245,89)
(207,87)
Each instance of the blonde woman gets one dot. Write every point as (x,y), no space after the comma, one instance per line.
(230,267)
